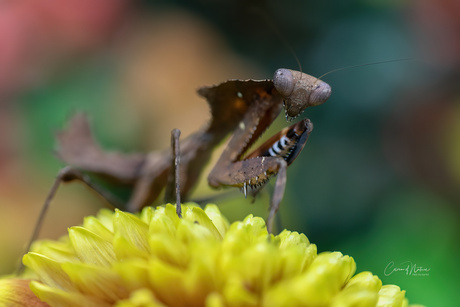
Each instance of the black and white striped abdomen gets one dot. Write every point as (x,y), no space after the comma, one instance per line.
(287,143)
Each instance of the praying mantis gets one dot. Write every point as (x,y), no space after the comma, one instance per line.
(243,108)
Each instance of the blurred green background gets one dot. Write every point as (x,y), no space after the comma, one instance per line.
(379,178)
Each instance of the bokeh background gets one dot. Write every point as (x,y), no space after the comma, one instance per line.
(379,178)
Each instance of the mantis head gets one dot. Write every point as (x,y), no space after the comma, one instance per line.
(299,91)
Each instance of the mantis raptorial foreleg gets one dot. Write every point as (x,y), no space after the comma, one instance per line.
(272,158)
(250,174)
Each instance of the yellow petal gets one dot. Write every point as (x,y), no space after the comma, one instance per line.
(325,277)
(140,298)
(131,236)
(133,273)
(57,297)
(361,291)
(296,260)
(169,250)
(170,211)
(91,248)
(243,234)
(221,223)
(197,215)
(365,280)
(168,283)
(182,287)
(257,266)
(147,214)
(95,225)
(105,216)
(391,296)
(355,297)
(162,223)
(201,275)
(237,294)
(214,299)
(96,281)
(125,249)
(296,251)
(60,251)
(292,238)
(252,226)
(15,292)
(49,271)
(188,231)
(132,229)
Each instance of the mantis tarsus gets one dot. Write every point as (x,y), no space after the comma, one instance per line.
(245,108)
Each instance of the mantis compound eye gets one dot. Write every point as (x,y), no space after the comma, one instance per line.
(284,81)
(320,93)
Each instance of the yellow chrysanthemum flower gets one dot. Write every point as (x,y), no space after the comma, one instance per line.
(156,258)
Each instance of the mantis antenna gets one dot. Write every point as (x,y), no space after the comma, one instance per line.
(362,65)
(264,15)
